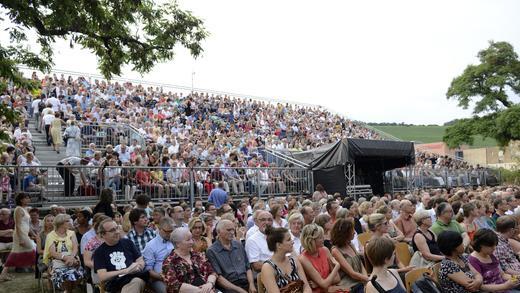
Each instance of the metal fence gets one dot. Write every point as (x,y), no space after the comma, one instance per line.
(419,177)
(113,134)
(82,183)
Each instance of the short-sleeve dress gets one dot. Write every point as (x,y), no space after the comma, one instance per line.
(449,267)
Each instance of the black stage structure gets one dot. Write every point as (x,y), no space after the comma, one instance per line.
(348,163)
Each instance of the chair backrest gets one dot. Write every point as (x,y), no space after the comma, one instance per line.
(435,269)
(412,276)
(261,288)
(364,237)
(402,251)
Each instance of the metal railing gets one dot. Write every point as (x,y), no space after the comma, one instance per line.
(420,177)
(82,183)
(114,134)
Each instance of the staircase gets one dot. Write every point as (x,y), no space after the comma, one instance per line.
(48,159)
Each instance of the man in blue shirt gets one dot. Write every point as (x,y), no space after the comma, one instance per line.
(218,196)
(156,251)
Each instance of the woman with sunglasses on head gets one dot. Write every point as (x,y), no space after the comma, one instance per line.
(317,261)
(381,255)
(197,229)
(282,271)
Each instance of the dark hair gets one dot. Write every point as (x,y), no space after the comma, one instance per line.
(484,237)
(106,196)
(319,187)
(497,202)
(86,214)
(456,206)
(19,197)
(34,210)
(504,223)
(274,236)
(135,214)
(142,199)
(448,241)
(441,208)
(341,231)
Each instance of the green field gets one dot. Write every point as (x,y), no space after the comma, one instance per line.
(427,134)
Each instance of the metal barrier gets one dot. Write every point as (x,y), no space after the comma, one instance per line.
(420,177)
(84,183)
(113,134)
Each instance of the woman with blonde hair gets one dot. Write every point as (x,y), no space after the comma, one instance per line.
(393,232)
(197,229)
(319,265)
(378,225)
(324,221)
(365,209)
(61,254)
(278,220)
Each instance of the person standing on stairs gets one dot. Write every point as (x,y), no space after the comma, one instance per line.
(73,134)
(47,121)
(57,137)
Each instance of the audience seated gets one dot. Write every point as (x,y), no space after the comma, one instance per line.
(380,254)
(455,273)
(282,272)
(184,269)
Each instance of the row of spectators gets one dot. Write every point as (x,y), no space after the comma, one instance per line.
(328,244)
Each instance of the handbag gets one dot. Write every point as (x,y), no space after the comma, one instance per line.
(293,287)
(198,281)
(419,261)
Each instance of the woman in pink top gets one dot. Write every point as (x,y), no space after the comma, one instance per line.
(319,265)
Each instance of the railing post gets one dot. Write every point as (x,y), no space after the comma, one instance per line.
(258,186)
(192,187)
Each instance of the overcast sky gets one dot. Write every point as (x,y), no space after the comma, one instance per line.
(375,61)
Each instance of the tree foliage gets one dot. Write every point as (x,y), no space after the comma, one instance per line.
(490,85)
(135,32)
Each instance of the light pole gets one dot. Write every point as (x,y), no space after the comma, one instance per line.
(192,77)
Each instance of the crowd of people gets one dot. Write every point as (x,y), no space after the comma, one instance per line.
(325,243)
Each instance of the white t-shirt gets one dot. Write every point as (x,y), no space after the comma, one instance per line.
(47,119)
(256,248)
(34,105)
(55,103)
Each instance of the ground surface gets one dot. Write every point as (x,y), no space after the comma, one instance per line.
(25,283)
(427,134)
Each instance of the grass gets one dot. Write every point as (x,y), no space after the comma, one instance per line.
(427,134)
(22,282)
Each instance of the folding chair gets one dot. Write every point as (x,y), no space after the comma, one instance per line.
(413,275)
(402,251)
(261,287)
(364,237)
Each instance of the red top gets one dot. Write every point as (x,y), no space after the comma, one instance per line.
(4,226)
(320,262)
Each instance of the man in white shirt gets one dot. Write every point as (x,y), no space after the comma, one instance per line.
(55,103)
(256,246)
(35,106)
(47,120)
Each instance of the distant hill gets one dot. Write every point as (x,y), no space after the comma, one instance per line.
(426,134)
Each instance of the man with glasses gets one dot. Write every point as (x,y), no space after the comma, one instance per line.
(140,234)
(256,245)
(229,260)
(118,262)
(405,222)
(177,214)
(156,251)
(445,222)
